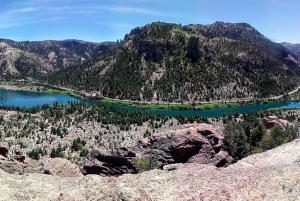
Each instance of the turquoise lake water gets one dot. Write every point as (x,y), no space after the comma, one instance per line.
(29,99)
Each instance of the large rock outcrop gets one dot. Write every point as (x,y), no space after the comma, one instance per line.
(17,163)
(155,50)
(271,121)
(12,166)
(272,175)
(192,143)
(197,50)
(61,167)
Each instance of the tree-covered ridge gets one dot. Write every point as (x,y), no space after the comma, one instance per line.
(37,58)
(174,63)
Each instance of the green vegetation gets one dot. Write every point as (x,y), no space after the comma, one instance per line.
(34,154)
(63,92)
(249,136)
(84,153)
(78,144)
(57,152)
(152,106)
(145,164)
(211,106)
(37,153)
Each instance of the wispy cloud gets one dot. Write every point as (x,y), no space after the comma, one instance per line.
(136,10)
(117,25)
(44,20)
(24,10)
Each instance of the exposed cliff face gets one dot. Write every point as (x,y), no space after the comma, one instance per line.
(155,50)
(272,175)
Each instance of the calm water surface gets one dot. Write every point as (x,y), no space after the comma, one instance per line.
(29,99)
(220,112)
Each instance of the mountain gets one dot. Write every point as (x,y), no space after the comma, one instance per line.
(21,59)
(295,48)
(242,32)
(174,63)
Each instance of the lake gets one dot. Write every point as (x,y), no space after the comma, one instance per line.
(30,99)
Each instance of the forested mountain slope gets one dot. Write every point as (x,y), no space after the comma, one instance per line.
(37,58)
(170,62)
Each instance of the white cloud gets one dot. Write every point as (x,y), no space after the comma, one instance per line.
(24,10)
(136,10)
(43,20)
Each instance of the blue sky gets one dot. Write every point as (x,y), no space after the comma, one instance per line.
(109,20)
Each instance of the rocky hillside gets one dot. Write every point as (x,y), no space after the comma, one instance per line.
(272,175)
(22,59)
(174,63)
(192,143)
(295,48)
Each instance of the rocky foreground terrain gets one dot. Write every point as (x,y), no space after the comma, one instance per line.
(272,175)
(189,156)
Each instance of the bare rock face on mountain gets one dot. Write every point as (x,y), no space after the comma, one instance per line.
(155,50)
(197,51)
(4,148)
(271,121)
(193,143)
(61,167)
(272,175)
(194,52)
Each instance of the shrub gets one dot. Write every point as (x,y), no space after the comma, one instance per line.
(34,154)
(84,153)
(145,164)
(280,136)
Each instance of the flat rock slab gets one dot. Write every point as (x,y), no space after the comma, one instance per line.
(61,167)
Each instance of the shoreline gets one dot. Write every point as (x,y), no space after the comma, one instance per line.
(218,104)
(35,89)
